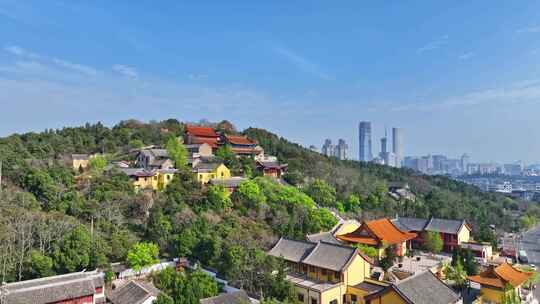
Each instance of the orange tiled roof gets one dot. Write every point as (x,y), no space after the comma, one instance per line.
(239,140)
(378,231)
(212,142)
(201,131)
(500,276)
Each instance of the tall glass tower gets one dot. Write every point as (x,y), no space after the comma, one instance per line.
(397,145)
(364,136)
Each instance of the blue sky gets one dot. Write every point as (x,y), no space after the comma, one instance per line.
(457,76)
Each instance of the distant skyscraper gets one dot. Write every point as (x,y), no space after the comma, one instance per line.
(364,136)
(465,159)
(340,150)
(384,142)
(397,145)
(328,148)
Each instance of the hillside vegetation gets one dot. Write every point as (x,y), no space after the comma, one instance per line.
(55,220)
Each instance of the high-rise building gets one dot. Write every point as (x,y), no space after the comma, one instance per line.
(340,150)
(364,136)
(328,148)
(465,159)
(397,145)
(384,142)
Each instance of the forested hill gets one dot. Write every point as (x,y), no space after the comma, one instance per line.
(54,219)
(437,196)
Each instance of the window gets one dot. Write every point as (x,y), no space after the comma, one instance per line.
(222,174)
(334,301)
(353,298)
(336,276)
(155,177)
(301,297)
(168,177)
(323,272)
(313,300)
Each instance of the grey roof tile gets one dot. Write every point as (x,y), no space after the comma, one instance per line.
(410,223)
(237,297)
(330,256)
(425,288)
(54,289)
(290,250)
(445,226)
(133,292)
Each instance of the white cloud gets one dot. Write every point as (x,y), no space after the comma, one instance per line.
(44,60)
(530,29)
(198,76)
(517,92)
(76,67)
(126,70)
(19,51)
(302,63)
(466,56)
(433,45)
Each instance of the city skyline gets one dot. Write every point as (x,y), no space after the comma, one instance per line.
(454,86)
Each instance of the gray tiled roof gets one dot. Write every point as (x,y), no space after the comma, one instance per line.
(294,251)
(80,156)
(232,182)
(425,288)
(133,293)
(54,289)
(324,237)
(410,223)
(330,256)
(162,153)
(236,297)
(433,224)
(204,166)
(445,226)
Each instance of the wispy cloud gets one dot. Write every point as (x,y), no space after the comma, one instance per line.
(25,54)
(126,70)
(530,29)
(433,45)
(466,56)
(198,76)
(302,62)
(517,92)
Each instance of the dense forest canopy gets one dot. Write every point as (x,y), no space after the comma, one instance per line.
(54,219)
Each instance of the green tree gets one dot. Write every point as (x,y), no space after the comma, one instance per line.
(142,255)
(39,265)
(218,198)
(228,157)
(250,193)
(456,273)
(164,299)
(389,257)
(73,253)
(469,263)
(322,193)
(136,144)
(203,285)
(352,204)
(177,152)
(97,164)
(433,242)
(367,250)
(510,295)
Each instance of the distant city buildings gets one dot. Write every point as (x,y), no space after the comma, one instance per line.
(340,151)
(364,136)
(397,145)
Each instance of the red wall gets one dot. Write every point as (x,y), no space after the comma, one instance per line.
(82,300)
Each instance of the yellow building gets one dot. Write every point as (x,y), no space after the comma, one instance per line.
(500,282)
(208,171)
(328,273)
(155,180)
